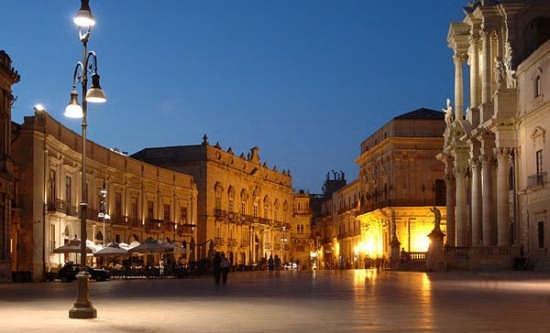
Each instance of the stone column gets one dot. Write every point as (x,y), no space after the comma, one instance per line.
(487,199)
(450,198)
(461,214)
(474,70)
(503,186)
(486,67)
(476,200)
(458,59)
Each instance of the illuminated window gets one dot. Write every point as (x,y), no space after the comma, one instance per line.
(118,204)
(167,215)
(68,191)
(183,215)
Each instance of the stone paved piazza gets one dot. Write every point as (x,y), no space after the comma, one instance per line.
(341,301)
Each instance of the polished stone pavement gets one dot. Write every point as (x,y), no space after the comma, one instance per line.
(326,301)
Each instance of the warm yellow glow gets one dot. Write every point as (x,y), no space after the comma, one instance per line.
(420,243)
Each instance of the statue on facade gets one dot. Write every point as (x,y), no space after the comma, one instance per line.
(449,116)
(437,217)
(500,72)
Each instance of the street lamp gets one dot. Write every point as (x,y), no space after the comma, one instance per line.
(82,308)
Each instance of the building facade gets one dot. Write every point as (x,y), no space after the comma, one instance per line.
(494,148)
(245,209)
(400,180)
(142,200)
(300,241)
(8,77)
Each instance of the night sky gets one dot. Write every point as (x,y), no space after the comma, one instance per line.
(306,81)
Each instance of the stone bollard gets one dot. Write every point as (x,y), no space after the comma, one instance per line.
(436,256)
(395,255)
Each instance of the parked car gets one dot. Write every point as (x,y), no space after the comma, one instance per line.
(69,271)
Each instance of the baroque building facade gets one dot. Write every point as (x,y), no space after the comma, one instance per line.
(494,148)
(399,180)
(8,77)
(142,200)
(245,209)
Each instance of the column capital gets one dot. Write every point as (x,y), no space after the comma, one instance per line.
(504,152)
(475,162)
(486,160)
(460,57)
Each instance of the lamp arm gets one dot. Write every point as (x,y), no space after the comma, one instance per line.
(77,74)
(92,66)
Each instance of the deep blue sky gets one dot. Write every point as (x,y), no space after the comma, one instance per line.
(306,81)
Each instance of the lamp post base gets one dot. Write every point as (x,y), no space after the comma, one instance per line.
(82,308)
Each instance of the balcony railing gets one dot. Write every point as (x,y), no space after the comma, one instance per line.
(536,180)
(57,205)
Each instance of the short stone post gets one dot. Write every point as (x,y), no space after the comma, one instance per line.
(395,255)
(435,261)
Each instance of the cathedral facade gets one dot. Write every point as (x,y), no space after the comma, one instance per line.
(495,142)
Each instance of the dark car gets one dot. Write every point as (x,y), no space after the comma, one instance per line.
(69,271)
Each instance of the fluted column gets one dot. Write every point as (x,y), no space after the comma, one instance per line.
(450,205)
(474,70)
(503,186)
(487,199)
(459,58)
(486,66)
(476,201)
(461,214)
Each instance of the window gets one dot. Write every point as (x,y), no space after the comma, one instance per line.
(538,88)
(255,208)
(134,208)
(540,231)
(150,210)
(52,195)
(68,191)
(539,161)
(231,200)
(183,215)
(166,212)
(118,204)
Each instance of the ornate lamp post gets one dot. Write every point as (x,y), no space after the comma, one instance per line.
(82,308)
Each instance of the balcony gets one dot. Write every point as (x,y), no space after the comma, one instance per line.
(134,221)
(118,220)
(57,205)
(536,180)
(153,225)
(220,214)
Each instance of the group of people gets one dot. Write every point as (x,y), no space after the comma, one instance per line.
(221,266)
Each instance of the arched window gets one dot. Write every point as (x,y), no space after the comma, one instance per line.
(267,208)
(285,211)
(218,196)
(244,201)
(255,206)
(276,210)
(231,199)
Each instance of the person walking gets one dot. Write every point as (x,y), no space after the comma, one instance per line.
(225,268)
(270,263)
(217,267)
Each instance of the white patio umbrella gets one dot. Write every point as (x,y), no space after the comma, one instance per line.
(152,246)
(112,249)
(73,246)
